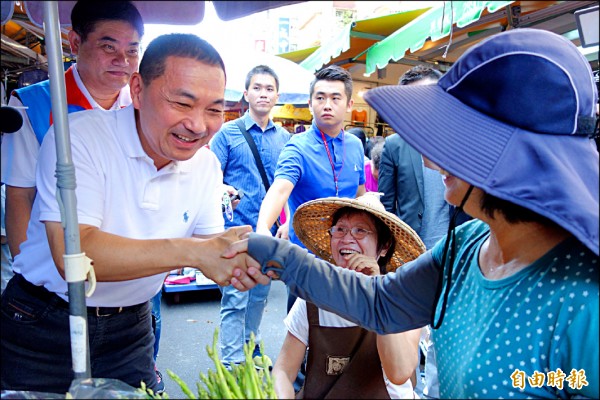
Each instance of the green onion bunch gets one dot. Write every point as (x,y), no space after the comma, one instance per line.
(244,381)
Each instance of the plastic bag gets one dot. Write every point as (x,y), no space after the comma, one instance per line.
(92,388)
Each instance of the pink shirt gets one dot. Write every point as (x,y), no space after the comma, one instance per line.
(370,182)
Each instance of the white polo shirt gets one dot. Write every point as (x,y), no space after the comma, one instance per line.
(120,191)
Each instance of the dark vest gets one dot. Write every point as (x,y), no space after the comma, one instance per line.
(343,363)
(37,99)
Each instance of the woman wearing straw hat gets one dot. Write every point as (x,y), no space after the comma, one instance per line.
(343,359)
(513,294)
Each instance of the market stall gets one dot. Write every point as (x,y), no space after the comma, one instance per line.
(295,119)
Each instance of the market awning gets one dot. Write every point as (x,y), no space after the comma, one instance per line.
(434,24)
(473,20)
(349,45)
(298,56)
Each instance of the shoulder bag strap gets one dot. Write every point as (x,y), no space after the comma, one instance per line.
(259,163)
(252,145)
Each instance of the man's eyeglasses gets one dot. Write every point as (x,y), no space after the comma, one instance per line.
(339,232)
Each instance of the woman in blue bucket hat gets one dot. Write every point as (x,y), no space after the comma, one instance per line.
(513,294)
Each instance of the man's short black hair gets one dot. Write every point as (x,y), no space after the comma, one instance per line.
(334,73)
(86,14)
(185,45)
(262,70)
(417,73)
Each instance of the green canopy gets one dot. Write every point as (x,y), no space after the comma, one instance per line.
(333,48)
(351,42)
(434,24)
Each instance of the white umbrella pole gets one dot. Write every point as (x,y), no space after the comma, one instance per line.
(65,173)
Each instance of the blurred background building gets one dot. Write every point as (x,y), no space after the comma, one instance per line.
(377,41)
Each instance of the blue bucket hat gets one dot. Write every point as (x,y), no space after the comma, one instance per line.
(513,116)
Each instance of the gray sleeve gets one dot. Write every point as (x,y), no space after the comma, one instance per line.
(395,302)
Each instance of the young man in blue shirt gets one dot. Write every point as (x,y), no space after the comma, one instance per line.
(241,312)
(323,161)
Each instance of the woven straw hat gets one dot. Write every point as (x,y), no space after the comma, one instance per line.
(312,221)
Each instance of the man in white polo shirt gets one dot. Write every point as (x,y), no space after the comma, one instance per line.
(148,197)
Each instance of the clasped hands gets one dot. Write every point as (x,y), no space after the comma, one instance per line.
(232,264)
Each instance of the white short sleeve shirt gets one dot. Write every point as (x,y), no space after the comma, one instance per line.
(120,191)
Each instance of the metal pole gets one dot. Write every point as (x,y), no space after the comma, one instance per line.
(65,174)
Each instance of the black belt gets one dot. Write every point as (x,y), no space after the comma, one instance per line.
(43,294)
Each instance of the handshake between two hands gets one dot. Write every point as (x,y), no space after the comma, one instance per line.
(243,272)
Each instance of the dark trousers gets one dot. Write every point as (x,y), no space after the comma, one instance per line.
(36,345)
(156,321)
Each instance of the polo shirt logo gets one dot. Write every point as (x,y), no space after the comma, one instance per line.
(186,216)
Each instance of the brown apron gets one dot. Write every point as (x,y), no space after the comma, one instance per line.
(342,363)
